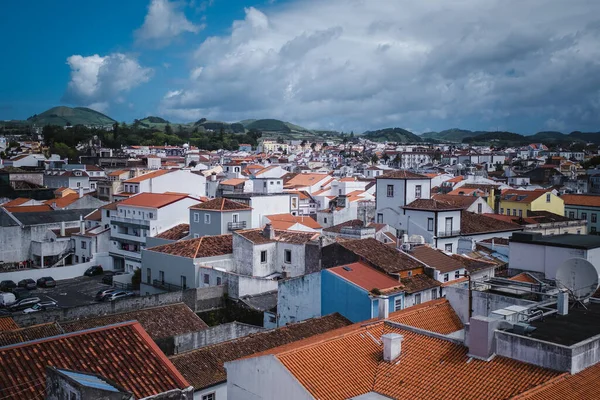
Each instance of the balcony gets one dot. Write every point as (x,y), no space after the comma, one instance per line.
(166,286)
(442,234)
(128,237)
(131,221)
(234,226)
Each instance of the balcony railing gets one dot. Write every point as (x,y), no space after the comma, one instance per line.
(166,286)
(234,226)
(442,234)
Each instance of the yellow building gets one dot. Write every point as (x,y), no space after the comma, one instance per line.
(271,146)
(518,202)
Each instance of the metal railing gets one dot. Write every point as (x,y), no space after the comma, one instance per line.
(448,233)
(166,286)
(234,226)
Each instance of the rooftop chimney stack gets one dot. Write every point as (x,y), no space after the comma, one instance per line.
(62,229)
(392,346)
(384,307)
(80,192)
(81,225)
(269,232)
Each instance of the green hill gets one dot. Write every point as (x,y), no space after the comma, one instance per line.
(397,135)
(451,135)
(63,116)
(274,125)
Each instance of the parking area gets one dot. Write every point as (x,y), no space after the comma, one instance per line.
(72,292)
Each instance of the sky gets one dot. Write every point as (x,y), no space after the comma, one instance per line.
(348,65)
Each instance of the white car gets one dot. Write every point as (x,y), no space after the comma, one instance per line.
(41,306)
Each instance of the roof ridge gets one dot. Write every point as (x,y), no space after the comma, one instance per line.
(198,247)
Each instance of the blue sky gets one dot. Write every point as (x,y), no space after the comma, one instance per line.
(338,64)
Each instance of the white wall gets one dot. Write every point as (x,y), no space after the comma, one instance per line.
(299,299)
(268,205)
(219,390)
(545,259)
(58,273)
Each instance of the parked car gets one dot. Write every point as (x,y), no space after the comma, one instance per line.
(121,294)
(41,306)
(7,286)
(93,271)
(20,293)
(27,284)
(103,293)
(108,276)
(46,282)
(24,303)
(6,299)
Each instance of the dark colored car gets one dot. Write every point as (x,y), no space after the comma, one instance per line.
(118,295)
(101,295)
(21,293)
(93,271)
(27,284)
(7,286)
(108,277)
(24,303)
(46,282)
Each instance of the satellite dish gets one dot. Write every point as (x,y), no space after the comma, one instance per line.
(579,276)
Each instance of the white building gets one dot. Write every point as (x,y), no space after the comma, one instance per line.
(161,181)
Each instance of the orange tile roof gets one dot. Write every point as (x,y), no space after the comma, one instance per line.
(306,180)
(150,175)
(433,316)
(205,246)
(123,353)
(16,202)
(7,324)
(221,204)
(262,171)
(347,179)
(282,225)
(461,191)
(118,172)
(307,221)
(152,200)
(523,277)
(456,179)
(62,202)
(233,182)
(581,386)
(581,200)
(347,362)
(366,277)
(20,209)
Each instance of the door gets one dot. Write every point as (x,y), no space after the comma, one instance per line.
(234,218)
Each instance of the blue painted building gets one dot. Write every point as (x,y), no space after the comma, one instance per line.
(348,289)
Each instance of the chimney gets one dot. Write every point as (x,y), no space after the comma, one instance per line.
(62,229)
(213,177)
(80,192)
(81,225)
(392,346)
(384,307)
(269,232)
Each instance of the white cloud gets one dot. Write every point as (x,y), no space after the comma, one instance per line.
(99,80)
(362,64)
(164,22)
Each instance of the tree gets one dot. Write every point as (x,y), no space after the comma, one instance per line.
(397,160)
(303,144)
(280,140)
(313,145)
(168,130)
(385,157)
(192,164)
(325,144)
(374,159)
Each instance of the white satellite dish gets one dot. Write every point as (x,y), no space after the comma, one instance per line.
(579,276)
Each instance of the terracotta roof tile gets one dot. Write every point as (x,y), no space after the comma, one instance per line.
(64,201)
(94,216)
(581,386)
(177,232)
(204,367)
(431,204)
(366,277)
(20,209)
(436,259)
(402,174)
(16,202)
(418,283)
(388,259)
(301,180)
(257,236)
(233,182)
(471,223)
(123,353)
(221,204)
(581,200)
(205,246)
(307,221)
(29,333)
(7,324)
(523,277)
(151,175)
(152,200)
(434,316)
(353,223)
(463,202)
(159,322)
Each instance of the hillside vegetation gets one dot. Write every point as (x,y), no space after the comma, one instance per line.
(397,135)
(65,116)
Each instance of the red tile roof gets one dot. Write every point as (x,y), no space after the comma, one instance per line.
(7,324)
(432,205)
(366,277)
(419,282)
(20,335)
(523,277)
(347,362)
(20,209)
(150,175)
(581,386)
(434,316)
(581,200)
(233,182)
(205,246)
(471,223)
(221,204)
(257,236)
(177,232)
(152,200)
(307,221)
(62,202)
(386,258)
(402,174)
(123,353)
(436,259)
(16,202)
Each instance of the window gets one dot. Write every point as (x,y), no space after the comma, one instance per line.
(390,190)
(397,303)
(508,211)
(271,182)
(501,210)
(479,208)
(572,214)
(514,212)
(418,191)
(520,213)
(219,281)
(409,273)
(148,276)
(287,256)
(207,279)
(448,247)
(448,225)
(263,256)
(446,277)
(456,274)
(272,319)
(417,298)
(196,236)
(594,217)
(209,396)
(583,215)
(434,294)
(325,220)
(83,244)
(264,184)
(150,215)
(196,217)
(207,218)
(379,218)
(183,282)
(161,277)
(294,202)
(548,197)
(430,224)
